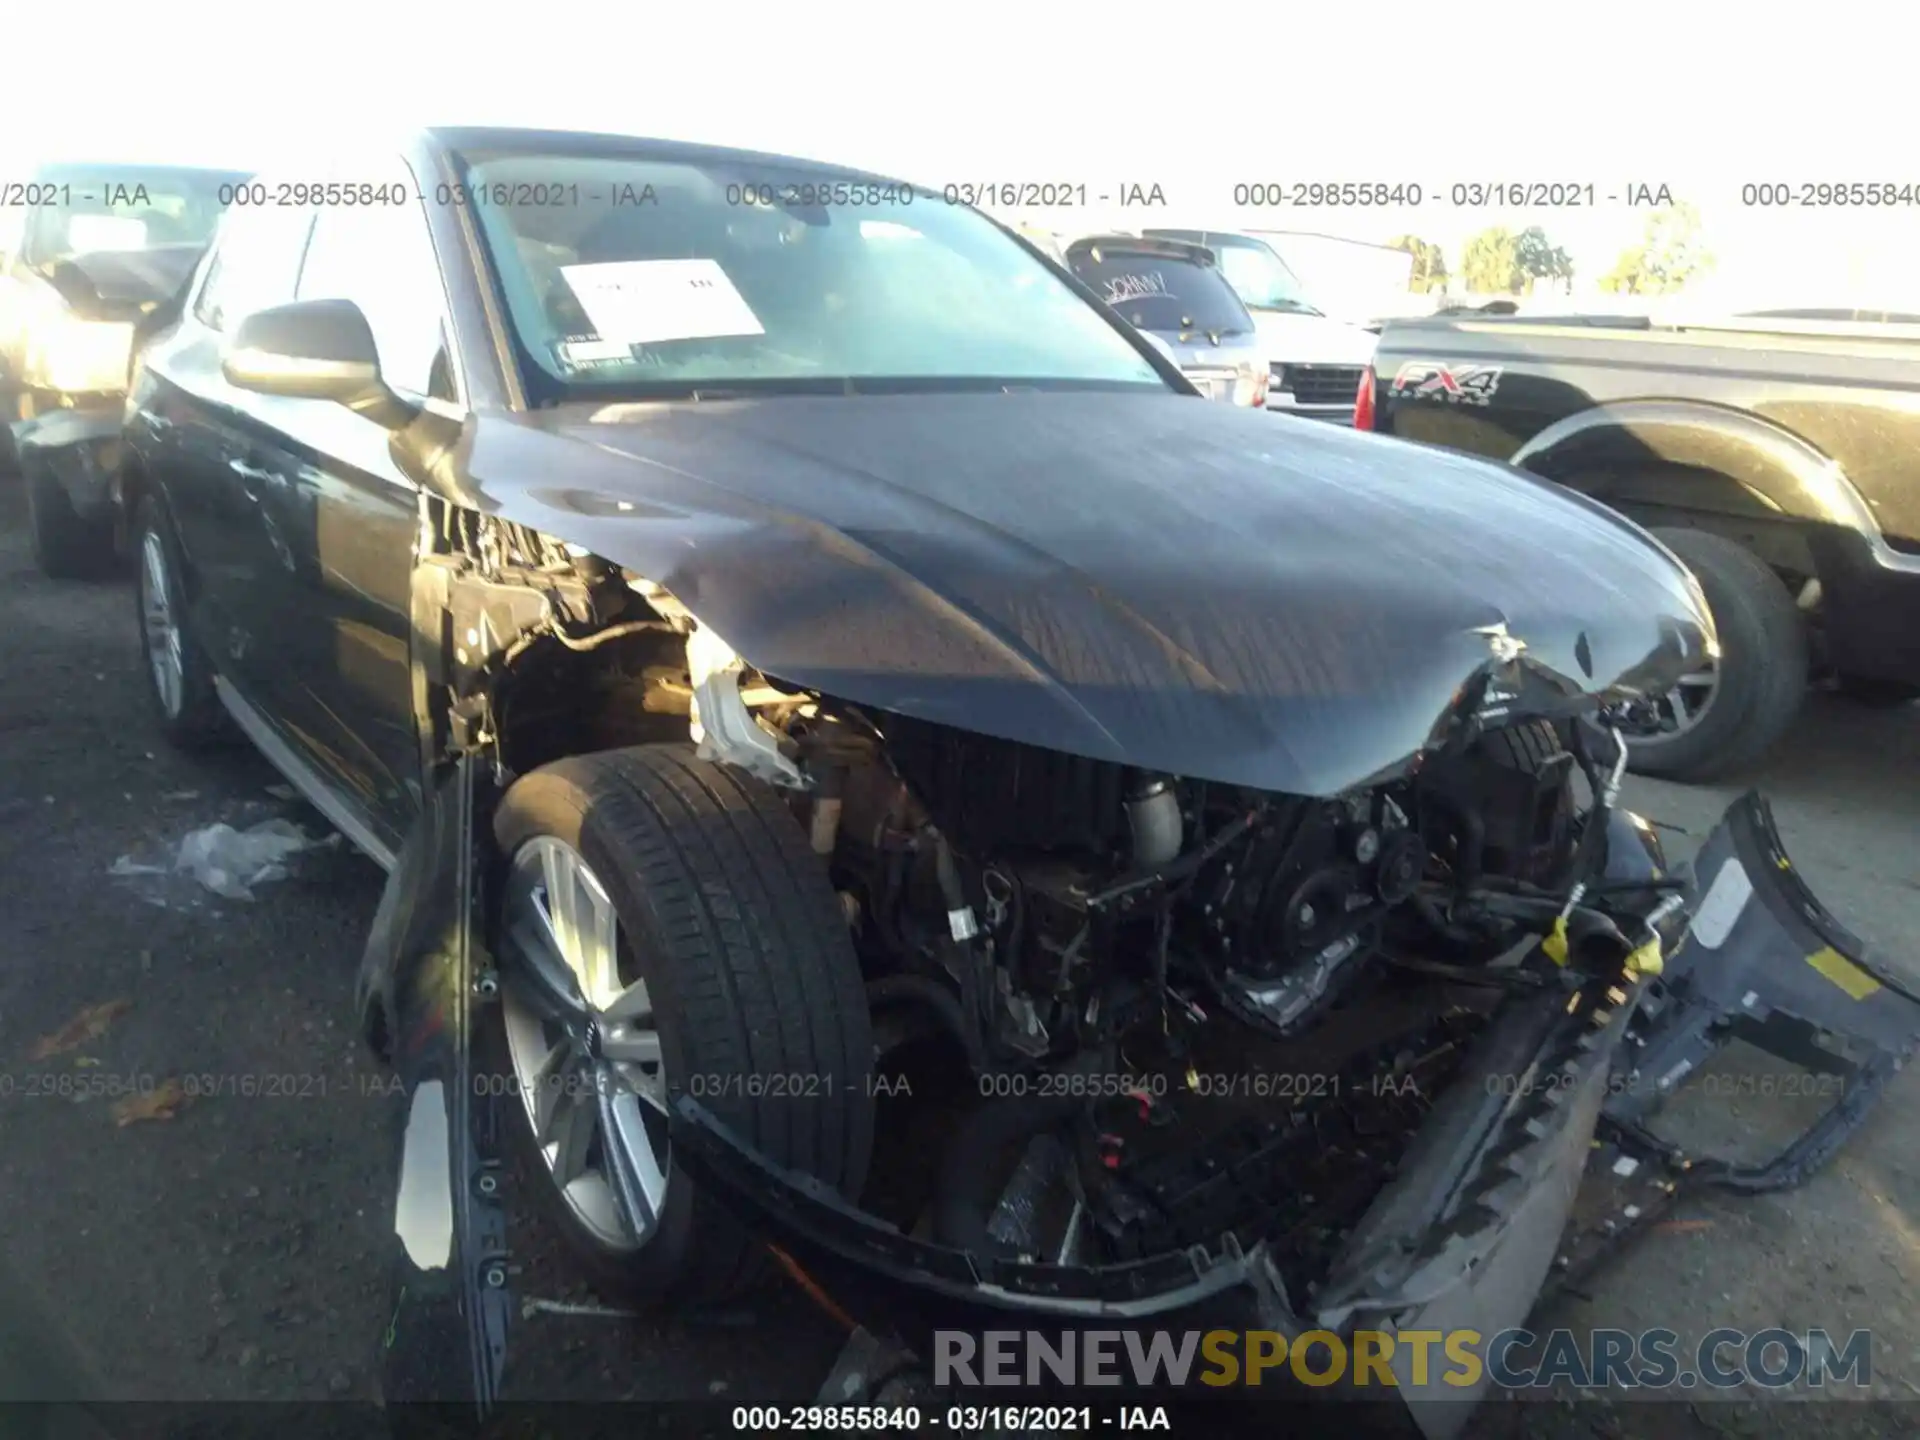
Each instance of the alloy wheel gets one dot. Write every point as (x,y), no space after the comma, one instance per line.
(160,627)
(1673,714)
(583,1045)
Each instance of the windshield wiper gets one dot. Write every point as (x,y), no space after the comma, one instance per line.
(1291,307)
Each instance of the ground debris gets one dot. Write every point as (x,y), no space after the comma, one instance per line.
(90,1024)
(159,1103)
(231,862)
(225,860)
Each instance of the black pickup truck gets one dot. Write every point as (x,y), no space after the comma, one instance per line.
(1777,454)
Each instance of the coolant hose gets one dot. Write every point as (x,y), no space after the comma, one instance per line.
(937,998)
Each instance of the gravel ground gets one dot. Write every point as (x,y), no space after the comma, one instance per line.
(230,1252)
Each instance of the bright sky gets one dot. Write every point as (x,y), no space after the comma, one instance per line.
(1702,97)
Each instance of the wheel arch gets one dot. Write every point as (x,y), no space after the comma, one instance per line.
(1689,455)
(133,484)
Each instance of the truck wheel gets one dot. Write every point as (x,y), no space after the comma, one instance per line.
(18,406)
(662,921)
(179,674)
(1721,719)
(65,546)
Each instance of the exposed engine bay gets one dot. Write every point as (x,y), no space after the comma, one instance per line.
(1154,981)
(1159,1010)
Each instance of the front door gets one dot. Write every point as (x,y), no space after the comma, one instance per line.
(351,517)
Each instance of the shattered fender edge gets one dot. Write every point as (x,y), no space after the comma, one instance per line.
(422,981)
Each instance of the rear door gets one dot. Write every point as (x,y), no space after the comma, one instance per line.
(197,436)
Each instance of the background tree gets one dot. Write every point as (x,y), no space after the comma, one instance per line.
(1669,255)
(1491,262)
(1539,258)
(1628,272)
(1429,265)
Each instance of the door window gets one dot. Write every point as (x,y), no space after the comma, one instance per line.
(381,257)
(255,263)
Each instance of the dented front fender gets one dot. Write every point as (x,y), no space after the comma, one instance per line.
(422,981)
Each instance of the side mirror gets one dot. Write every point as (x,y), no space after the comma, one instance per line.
(314,350)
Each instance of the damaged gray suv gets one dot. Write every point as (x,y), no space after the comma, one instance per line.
(873,773)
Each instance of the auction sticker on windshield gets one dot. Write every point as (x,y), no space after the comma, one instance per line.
(643,302)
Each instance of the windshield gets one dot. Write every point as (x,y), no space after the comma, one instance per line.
(1256,272)
(1155,290)
(647,278)
(1260,277)
(120,207)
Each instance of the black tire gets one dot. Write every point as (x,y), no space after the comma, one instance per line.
(1869,690)
(18,405)
(736,929)
(65,546)
(197,721)
(1763,664)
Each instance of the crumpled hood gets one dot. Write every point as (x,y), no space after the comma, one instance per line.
(1181,586)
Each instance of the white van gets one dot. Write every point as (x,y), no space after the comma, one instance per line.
(1314,361)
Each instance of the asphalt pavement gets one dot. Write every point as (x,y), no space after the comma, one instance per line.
(219,1238)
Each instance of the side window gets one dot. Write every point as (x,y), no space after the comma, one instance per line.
(254,265)
(381,258)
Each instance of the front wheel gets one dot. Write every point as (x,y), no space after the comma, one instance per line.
(1732,711)
(663,923)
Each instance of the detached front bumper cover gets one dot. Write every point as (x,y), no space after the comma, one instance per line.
(1764,962)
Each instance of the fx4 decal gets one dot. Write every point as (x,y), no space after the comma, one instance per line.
(1457,385)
